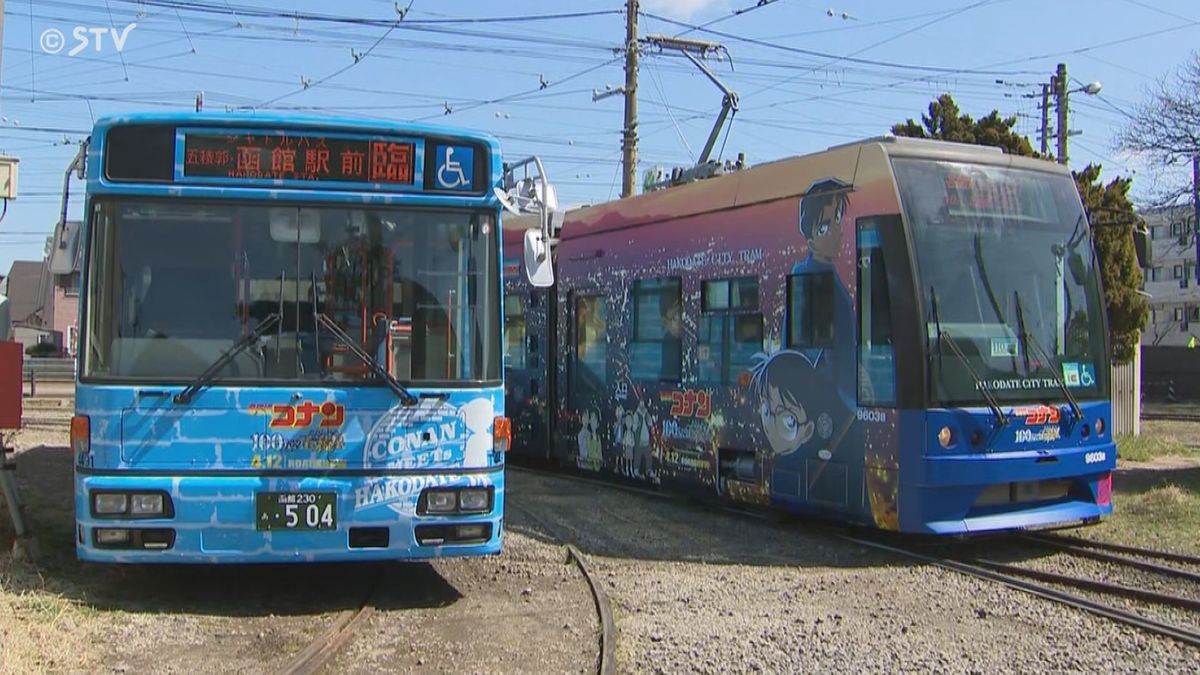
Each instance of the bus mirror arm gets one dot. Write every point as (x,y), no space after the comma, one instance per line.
(533,193)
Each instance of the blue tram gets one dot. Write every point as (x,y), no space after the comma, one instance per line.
(901,333)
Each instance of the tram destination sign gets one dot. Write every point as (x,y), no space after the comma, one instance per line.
(254,157)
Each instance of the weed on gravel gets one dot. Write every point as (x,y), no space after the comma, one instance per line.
(41,630)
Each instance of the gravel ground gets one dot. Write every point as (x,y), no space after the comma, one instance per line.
(525,610)
(695,590)
(699,590)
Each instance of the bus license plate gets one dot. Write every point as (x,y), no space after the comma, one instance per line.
(296,510)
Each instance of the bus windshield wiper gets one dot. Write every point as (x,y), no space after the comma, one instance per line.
(1030,339)
(980,384)
(210,373)
(330,325)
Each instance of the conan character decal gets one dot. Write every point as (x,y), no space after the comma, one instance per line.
(780,382)
(823,212)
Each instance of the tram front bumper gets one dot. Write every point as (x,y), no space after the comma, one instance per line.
(963,494)
(248,519)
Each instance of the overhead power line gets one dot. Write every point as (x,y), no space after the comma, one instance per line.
(827,55)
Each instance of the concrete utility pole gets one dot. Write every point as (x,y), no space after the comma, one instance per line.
(629,138)
(1196,208)
(1045,120)
(1060,92)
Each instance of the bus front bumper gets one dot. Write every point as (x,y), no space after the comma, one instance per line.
(244,519)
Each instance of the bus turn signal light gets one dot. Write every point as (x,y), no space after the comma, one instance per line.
(81,434)
(502,434)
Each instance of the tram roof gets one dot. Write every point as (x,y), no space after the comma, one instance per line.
(773,180)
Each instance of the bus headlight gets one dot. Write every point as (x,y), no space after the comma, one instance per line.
(146,505)
(111,537)
(109,503)
(440,501)
(473,500)
(1099,426)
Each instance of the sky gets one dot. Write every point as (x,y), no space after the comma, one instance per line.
(808,75)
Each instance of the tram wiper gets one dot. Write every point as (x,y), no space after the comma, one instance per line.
(980,384)
(210,373)
(1029,338)
(330,325)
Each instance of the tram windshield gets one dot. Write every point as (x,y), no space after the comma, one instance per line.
(1007,282)
(175,284)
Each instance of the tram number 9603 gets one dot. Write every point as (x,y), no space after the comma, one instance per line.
(296,511)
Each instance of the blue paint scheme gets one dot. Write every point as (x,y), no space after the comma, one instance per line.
(938,486)
(203,454)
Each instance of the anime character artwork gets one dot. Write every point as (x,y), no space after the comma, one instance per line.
(807,396)
(823,216)
(803,425)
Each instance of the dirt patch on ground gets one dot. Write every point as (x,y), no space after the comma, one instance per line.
(524,610)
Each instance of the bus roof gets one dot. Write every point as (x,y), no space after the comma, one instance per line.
(275,120)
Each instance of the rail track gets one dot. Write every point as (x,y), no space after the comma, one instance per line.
(606,663)
(318,652)
(1171,416)
(1046,585)
(1018,578)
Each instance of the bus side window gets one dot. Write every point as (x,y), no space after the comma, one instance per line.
(877,356)
(810,310)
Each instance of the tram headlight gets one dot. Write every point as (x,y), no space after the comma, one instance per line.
(109,503)
(473,500)
(946,437)
(440,501)
(146,505)
(1099,426)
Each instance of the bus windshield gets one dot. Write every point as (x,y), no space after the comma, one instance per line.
(1005,265)
(175,284)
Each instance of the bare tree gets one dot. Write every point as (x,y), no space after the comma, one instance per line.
(1165,130)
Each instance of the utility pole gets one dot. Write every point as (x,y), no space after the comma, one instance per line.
(1060,93)
(1196,208)
(1045,120)
(629,137)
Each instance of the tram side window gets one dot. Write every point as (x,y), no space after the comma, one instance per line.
(591,344)
(810,310)
(877,355)
(514,332)
(656,350)
(731,329)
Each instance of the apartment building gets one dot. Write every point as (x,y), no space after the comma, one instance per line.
(1172,282)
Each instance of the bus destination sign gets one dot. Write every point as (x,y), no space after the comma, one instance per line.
(298,157)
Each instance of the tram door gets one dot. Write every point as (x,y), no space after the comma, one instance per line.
(527,368)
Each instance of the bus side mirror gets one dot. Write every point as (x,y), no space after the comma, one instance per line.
(538,266)
(1144,247)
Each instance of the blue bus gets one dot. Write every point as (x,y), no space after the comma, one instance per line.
(290,344)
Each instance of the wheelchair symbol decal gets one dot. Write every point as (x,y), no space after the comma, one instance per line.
(455,167)
(1087,375)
